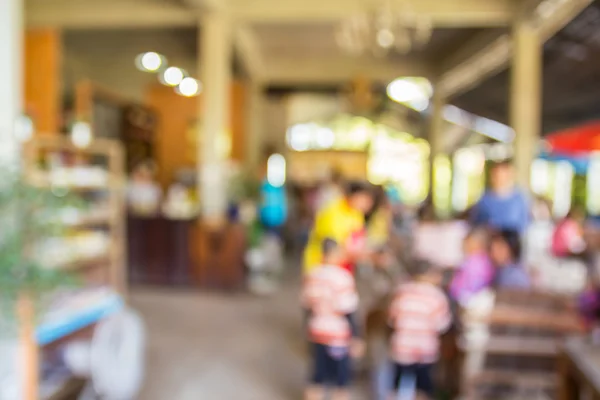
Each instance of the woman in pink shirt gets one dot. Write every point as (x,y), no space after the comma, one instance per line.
(567,239)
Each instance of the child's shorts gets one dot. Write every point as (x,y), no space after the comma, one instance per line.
(420,372)
(331,366)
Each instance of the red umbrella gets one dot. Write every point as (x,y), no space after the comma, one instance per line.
(579,140)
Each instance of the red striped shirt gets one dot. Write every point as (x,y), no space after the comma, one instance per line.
(418,313)
(330,293)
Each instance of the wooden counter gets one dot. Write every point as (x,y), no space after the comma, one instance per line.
(580,370)
(184,253)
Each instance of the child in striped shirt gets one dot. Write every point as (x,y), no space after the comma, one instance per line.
(418,314)
(329,294)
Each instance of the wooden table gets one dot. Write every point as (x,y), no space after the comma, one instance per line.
(579,370)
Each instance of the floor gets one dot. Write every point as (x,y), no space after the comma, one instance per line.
(223,346)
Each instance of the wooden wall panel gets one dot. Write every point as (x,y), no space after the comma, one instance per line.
(42,80)
(238,122)
(176,116)
(175,137)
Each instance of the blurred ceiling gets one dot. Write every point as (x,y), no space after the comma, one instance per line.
(571,78)
(289,43)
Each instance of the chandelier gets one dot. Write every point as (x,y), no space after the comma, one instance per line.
(390,26)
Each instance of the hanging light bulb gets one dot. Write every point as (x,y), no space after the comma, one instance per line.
(393,25)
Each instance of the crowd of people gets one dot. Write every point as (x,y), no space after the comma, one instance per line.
(355,224)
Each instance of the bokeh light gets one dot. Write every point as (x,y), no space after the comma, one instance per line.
(172,76)
(276,170)
(324,138)
(189,87)
(412,92)
(81,134)
(24,128)
(150,61)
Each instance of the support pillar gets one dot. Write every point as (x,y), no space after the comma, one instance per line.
(215,69)
(436,145)
(42,70)
(526,98)
(255,116)
(11,79)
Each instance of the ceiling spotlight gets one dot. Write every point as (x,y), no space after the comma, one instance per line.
(189,87)
(172,76)
(150,61)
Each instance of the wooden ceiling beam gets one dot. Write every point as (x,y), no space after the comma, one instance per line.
(248,48)
(149,13)
(472,63)
(110,14)
(443,13)
(338,70)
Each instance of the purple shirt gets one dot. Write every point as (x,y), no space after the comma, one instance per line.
(589,304)
(512,277)
(475,274)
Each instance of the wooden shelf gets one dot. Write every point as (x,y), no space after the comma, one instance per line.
(92,220)
(110,266)
(84,263)
(42,180)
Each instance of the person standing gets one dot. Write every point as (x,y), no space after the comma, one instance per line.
(504,206)
(330,297)
(343,220)
(418,315)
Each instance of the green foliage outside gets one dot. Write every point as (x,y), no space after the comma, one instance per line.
(28,214)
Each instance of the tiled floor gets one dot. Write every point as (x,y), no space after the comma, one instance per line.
(222,347)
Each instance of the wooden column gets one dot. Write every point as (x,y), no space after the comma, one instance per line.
(526,97)
(436,130)
(255,118)
(238,121)
(43,58)
(215,68)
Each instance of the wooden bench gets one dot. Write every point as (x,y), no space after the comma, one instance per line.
(522,347)
(518,345)
(579,370)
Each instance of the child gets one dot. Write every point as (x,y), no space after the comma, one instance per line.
(588,302)
(419,313)
(329,294)
(505,252)
(476,272)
